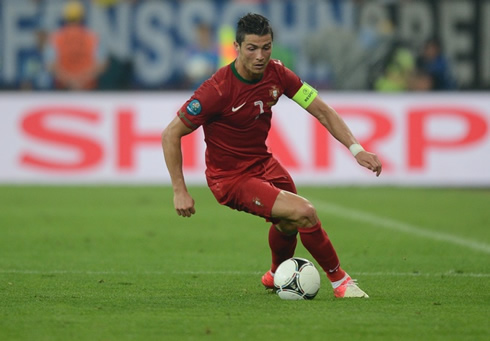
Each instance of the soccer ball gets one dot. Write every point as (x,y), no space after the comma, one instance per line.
(297,279)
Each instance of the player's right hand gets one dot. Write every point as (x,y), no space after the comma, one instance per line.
(184,205)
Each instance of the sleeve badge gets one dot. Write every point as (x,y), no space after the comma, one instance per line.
(194,107)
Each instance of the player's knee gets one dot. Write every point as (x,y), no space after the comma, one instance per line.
(294,211)
(305,215)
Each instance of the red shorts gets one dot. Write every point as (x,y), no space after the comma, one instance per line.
(256,190)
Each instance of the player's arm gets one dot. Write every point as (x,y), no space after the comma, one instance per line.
(331,120)
(172,150)
(307,98)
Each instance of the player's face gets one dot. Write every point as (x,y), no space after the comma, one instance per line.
(253,55)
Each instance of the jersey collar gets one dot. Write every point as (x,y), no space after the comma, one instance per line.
(240,78)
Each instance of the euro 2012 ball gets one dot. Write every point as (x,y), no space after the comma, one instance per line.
(297,279)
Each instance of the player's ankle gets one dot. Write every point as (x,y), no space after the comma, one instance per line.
(337,275)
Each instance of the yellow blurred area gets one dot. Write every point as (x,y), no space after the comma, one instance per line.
(105,3)
(73,11)
(226,37)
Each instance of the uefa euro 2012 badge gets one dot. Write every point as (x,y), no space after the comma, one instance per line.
(194,107)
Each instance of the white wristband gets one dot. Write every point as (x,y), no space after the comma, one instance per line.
(355,149)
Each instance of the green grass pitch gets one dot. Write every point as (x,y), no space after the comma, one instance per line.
(116,263)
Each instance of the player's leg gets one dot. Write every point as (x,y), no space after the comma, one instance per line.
(257,196)
(298,214)
(290,213)
(282,246)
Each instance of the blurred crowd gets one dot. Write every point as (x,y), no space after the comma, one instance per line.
(425,71)
(73,57)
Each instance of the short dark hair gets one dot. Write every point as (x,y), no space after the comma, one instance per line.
(252,23)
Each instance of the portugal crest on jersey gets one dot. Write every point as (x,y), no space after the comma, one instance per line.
(274,92)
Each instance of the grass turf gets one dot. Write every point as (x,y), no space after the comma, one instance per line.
(116,263)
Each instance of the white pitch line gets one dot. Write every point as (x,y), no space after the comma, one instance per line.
(421,274)
(395,225)
(240,273)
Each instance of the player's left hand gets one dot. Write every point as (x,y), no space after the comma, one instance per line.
(370,161)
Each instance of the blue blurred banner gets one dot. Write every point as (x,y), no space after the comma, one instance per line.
(332,44)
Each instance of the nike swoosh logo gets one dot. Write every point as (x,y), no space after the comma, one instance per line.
(238,108)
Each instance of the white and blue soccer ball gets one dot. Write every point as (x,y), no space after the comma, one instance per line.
(297,279)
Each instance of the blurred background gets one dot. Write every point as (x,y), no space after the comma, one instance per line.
(88,86)
(377,45)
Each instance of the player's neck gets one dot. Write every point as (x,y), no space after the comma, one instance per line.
(246,74)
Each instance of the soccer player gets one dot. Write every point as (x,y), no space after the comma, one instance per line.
(234,109)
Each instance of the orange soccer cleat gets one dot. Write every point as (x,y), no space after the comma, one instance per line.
(268,280)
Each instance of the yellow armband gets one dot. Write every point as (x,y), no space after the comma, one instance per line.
(305,95)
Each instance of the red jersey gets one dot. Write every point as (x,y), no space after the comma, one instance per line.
(236,116)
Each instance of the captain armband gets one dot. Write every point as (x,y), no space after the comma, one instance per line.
(305,95)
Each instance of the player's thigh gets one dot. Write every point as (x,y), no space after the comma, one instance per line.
(254,195)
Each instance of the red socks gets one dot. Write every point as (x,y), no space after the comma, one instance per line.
(282,246)
(316,241)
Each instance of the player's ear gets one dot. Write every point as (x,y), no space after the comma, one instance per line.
(236,46)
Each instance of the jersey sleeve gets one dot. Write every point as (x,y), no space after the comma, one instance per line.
(299,91)
(292,81)
(202,106)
